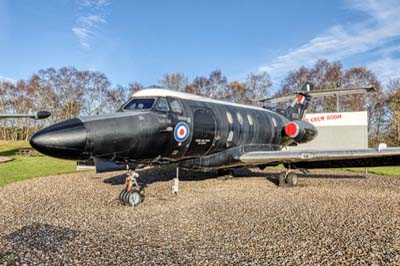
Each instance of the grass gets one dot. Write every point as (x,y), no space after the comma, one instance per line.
(22,167)
(8,257)
(385,170)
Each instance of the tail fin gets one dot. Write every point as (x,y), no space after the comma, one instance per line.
(297,110)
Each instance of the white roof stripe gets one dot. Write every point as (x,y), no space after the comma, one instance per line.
(188,96)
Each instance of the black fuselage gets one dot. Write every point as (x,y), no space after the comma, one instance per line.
(200,134)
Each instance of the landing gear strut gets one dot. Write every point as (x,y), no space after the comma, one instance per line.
(132,194)
(224,174)
(288,178)
(175,186)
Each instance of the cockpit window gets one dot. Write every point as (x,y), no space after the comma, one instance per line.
(176,106)
(139,104)
(162,105)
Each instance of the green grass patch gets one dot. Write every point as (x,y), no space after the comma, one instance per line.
(24,167)
(384,170)
(7,257)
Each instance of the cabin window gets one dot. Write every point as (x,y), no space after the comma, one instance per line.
(250,119)
(230,118)
(139,104)
(176,107)
(162,105)
(240,118)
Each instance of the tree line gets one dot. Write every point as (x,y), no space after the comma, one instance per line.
(67,92)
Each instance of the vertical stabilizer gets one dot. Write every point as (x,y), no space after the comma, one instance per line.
(297,110)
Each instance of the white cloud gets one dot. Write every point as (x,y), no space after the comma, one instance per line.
(91,20)
(86,25)
(83,35)
(94,3)
(386,68)
(4,78)
(343,41)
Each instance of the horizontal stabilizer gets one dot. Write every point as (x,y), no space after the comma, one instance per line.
(319,93)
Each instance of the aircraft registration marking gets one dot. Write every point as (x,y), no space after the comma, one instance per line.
(202,141)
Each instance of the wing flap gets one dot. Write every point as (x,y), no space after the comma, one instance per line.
(326,158)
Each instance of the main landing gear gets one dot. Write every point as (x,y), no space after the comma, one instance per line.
(132,194)
(225,174)
(288,178)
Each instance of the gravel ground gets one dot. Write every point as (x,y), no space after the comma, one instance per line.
(247,220)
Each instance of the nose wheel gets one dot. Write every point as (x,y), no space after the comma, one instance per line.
(132,194)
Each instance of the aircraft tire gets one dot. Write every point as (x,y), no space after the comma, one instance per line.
(291,179)
(125,197)
(282,179)
(121,196)
(133,198)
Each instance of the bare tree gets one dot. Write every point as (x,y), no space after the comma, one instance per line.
(258,86)
(175,81)
(116,98)
(200,86)
(95,89)
(238,93)
(393,136)
(134,87)
(218,87)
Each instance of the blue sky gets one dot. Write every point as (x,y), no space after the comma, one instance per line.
(141,40)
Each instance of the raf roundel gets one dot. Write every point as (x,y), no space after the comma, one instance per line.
(181,132)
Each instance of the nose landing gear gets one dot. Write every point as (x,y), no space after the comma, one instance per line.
(132,194)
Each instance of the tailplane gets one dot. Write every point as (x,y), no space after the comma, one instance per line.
(301,99)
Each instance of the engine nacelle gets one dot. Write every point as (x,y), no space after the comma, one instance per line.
(300,131)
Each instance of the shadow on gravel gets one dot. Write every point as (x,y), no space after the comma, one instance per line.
(334,176)
(43,237)
(152,175)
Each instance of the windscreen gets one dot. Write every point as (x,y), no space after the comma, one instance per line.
(139,104)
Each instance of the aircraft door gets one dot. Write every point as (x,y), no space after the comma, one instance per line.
(180,129)
(204,127)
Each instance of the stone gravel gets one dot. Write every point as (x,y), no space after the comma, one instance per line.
(331,218)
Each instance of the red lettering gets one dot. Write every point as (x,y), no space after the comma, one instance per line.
(334,117)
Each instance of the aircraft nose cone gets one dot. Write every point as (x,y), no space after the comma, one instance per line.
(65,140)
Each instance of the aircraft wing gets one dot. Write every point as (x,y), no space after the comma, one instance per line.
(310,159)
